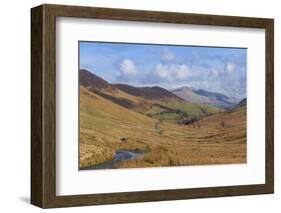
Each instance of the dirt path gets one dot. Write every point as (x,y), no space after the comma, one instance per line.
(157,126)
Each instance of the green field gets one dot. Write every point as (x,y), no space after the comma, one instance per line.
(174,111)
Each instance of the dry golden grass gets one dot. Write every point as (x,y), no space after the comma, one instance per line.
(106,127)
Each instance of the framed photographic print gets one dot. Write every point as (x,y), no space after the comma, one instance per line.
(136,106)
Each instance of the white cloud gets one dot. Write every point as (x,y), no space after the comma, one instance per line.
(162,71)
(182,72)
(214,73)
(127,66)
(230,67)
(173,72)
(127,70)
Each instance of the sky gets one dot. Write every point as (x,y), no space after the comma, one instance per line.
(216,69)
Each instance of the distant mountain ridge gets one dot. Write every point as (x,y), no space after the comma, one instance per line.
(92,81)
(203,96)
(242,103)
(191,95)
(147,92)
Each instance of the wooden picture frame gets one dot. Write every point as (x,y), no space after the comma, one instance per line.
(43,105)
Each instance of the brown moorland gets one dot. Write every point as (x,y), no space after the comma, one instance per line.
(107,125)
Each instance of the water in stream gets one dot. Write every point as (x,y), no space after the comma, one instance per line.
(120,156)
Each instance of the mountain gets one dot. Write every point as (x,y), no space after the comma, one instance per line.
(154,102)
(97,84)
(188,94)
(242,103)
(203,96)
(90,80)
(148,92)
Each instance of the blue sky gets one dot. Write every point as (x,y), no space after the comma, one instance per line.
(215,69)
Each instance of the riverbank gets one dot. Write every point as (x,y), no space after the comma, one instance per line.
(121,156)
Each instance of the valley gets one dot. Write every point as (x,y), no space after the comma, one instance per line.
(166,128)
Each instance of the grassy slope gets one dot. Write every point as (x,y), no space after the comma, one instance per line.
(103,124)
(197,110)
(106,127)
(191,110)
(147,107)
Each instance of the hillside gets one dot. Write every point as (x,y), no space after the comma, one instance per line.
(152,101)
(90,80)
(94,83)
(202,96)
(176,112)
(242,103)
(188,94)
(106,127)
(102,126)
(156,125)
(148,92)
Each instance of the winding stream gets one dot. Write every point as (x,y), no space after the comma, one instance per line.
(120,156)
